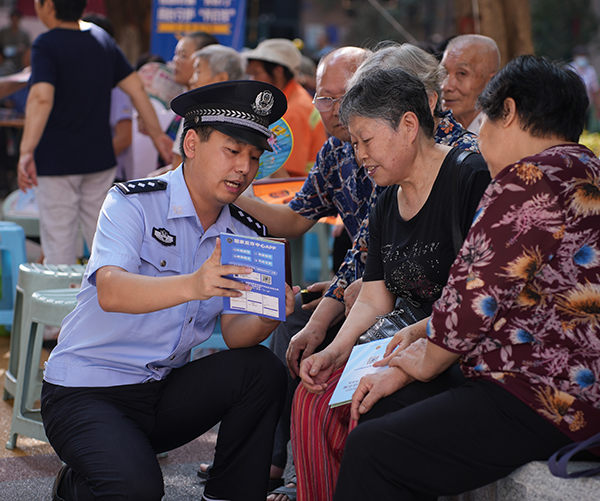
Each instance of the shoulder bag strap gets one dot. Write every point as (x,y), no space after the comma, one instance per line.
(457,236)
(559,460)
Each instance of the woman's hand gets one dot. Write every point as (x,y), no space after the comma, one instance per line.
(305,342)
(374,387)
(316,370)
(402,340)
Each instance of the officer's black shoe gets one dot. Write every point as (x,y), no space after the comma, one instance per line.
(57,482)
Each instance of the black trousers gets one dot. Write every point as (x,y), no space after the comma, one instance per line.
(444,437)
(109,437)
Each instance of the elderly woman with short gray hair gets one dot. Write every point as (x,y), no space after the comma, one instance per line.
(411,248)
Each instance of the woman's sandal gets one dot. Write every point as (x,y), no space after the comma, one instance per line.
(290,492)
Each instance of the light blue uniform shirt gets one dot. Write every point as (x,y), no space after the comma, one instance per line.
(155,234)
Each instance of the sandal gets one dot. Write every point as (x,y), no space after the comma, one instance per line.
(203,474)
(285,490)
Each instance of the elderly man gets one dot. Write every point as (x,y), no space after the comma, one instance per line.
(119,387)
(470,62)
(277,61)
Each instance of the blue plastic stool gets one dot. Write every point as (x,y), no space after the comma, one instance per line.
(12,249)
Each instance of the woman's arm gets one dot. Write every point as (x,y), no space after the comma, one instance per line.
(328,312)
(374,299)
(423,360)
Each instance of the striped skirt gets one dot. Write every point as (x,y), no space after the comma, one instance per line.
(318,436)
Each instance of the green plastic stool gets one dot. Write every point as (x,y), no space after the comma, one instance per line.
(34,277)
(48,307)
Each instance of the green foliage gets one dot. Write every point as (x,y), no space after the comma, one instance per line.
(560,25)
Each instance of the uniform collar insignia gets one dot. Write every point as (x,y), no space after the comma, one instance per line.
(163,236)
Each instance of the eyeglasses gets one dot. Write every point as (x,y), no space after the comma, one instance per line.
(325,103)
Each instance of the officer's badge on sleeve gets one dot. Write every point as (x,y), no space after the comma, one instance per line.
(163,236)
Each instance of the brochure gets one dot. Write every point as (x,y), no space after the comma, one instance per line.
(269,260)
(359,364)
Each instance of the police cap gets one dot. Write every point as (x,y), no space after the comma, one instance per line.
(242,109)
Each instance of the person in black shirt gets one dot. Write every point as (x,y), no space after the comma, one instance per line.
(432,188)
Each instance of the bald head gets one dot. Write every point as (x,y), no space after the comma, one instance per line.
(333,71)
(470,62)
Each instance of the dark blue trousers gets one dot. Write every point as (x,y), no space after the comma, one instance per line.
(109,437)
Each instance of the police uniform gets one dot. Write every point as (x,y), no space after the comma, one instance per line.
(120,388)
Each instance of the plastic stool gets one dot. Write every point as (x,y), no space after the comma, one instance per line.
(34,277)
(20,208)
(12,248)
(48,307)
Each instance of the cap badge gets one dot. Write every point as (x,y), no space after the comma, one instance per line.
(263,103)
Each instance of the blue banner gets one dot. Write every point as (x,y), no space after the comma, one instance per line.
(224,19)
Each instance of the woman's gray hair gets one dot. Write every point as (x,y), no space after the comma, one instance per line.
(221,58)
(407,57)
(387,95)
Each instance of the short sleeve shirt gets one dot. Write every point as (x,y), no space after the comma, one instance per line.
(414,257)
(522,304)
(448,132)
(83,67)
(154,234)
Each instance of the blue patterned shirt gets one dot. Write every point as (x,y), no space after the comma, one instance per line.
(336,185)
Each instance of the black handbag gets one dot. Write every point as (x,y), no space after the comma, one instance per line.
(405,313)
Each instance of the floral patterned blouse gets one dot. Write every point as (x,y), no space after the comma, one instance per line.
(522,303)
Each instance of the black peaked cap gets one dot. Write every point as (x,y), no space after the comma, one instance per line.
(242,109)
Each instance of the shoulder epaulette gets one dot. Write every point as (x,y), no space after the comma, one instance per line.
(142,186)
(248,220)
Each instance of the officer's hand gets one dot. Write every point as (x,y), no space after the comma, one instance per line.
(210,280)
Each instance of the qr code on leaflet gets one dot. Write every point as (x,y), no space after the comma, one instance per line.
(267,279)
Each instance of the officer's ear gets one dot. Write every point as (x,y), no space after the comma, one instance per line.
(190,141)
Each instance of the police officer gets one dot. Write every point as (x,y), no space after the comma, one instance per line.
(119,387)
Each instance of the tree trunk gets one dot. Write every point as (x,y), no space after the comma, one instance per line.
(508,22)
(132,19)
